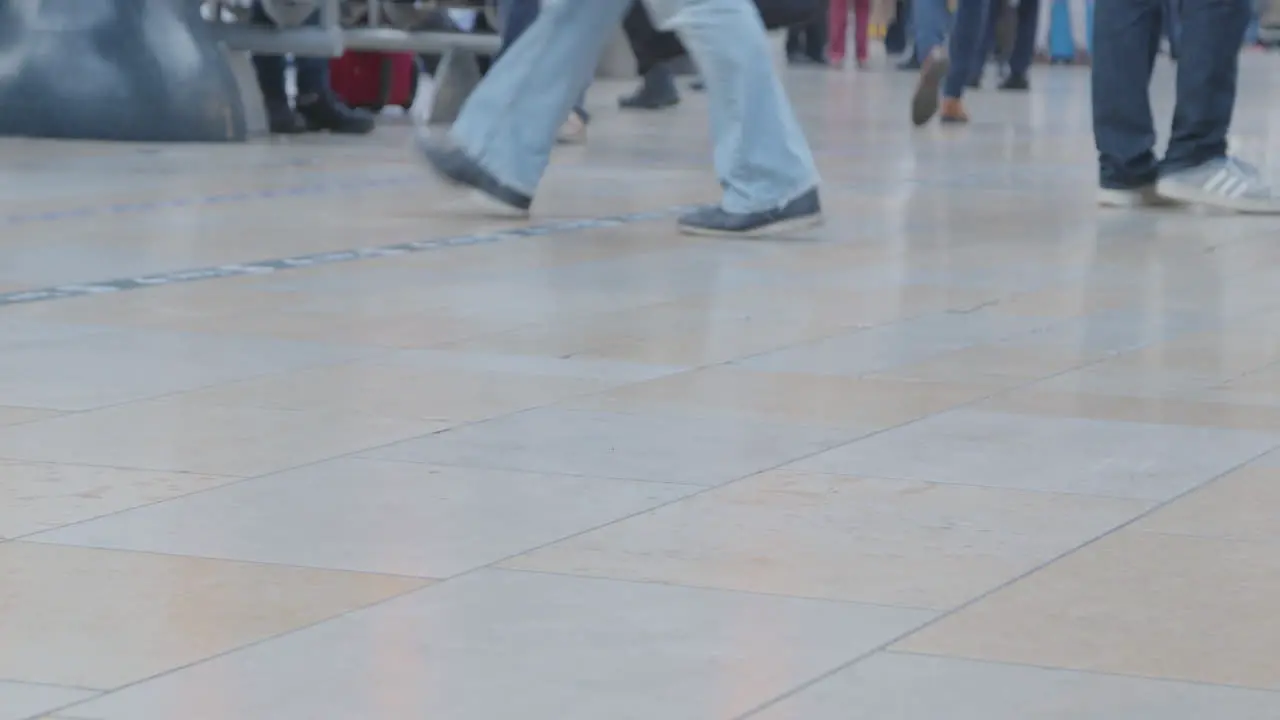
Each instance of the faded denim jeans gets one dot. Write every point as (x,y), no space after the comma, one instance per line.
(509,123)
(516,16)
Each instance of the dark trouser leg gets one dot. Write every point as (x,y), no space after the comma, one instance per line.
(270,71)
(1126,36)
(650,47)
(1172,25)
(966,44)
(988,43)
(815,36)
(795,38)
(641,36)
(1208,65)
(895,36)
(1024,40)
(516,16)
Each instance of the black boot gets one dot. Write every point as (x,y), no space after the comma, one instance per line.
(657,90)
(323,110)
(281,119)
(330,113)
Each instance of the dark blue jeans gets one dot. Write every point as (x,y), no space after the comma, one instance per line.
(968,44)
(516,16)
(1024,42)
(1126,37)
(313,72)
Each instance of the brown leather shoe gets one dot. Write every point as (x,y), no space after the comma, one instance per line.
(953,111)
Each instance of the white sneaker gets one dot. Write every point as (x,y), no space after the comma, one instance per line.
(573,131)
(1225,184)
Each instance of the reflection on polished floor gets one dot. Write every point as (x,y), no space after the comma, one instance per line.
(976,450)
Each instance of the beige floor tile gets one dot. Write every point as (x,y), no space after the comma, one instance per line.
(826,536)
(102,619)
(18,415)
(894,686)
(181,435)
(43,496)
(994,364)
(1067,302)
(1219,355)
(818,400)
(1136,603)
(1107,379)
(499,644)
(372,516)
(657,447)
(401,388)
(976,446)
(1153,410)
(950,262)
(21,701)
(130,365)
(1256,388)
(669,334)
(1242,505)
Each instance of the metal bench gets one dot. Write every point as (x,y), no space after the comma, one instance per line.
(365,25)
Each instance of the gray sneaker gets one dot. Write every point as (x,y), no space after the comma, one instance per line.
(801,213)
(1225,183)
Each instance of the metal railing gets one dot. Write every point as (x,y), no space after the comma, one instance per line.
(327,28)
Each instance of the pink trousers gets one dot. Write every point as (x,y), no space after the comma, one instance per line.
(838,20)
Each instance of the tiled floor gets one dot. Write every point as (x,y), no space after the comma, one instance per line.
(977,450)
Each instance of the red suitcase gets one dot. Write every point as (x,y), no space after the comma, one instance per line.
(373,80)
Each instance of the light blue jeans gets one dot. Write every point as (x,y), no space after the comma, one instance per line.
(509,123)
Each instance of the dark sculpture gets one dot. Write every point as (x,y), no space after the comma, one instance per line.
(134,70)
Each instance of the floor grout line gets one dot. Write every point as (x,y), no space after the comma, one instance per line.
(311,260)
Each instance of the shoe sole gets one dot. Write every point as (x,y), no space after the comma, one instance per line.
(1190,195)
(650,106)
(427,154)
(484,204)
(807,222)
(572,138)
(1128,199)
(924,104)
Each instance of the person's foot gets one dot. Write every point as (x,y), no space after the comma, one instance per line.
(953,112)
(336,117)
(807,59)
(282,120)
(657,90)
(573,131)
(835,60)
(1016,83)
(863,64)
(1083,58)
(802,213)
(1134,197)
(1224,183)
(1042,57)
(458,169)
(698,85)
(911,64)
(924,104)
